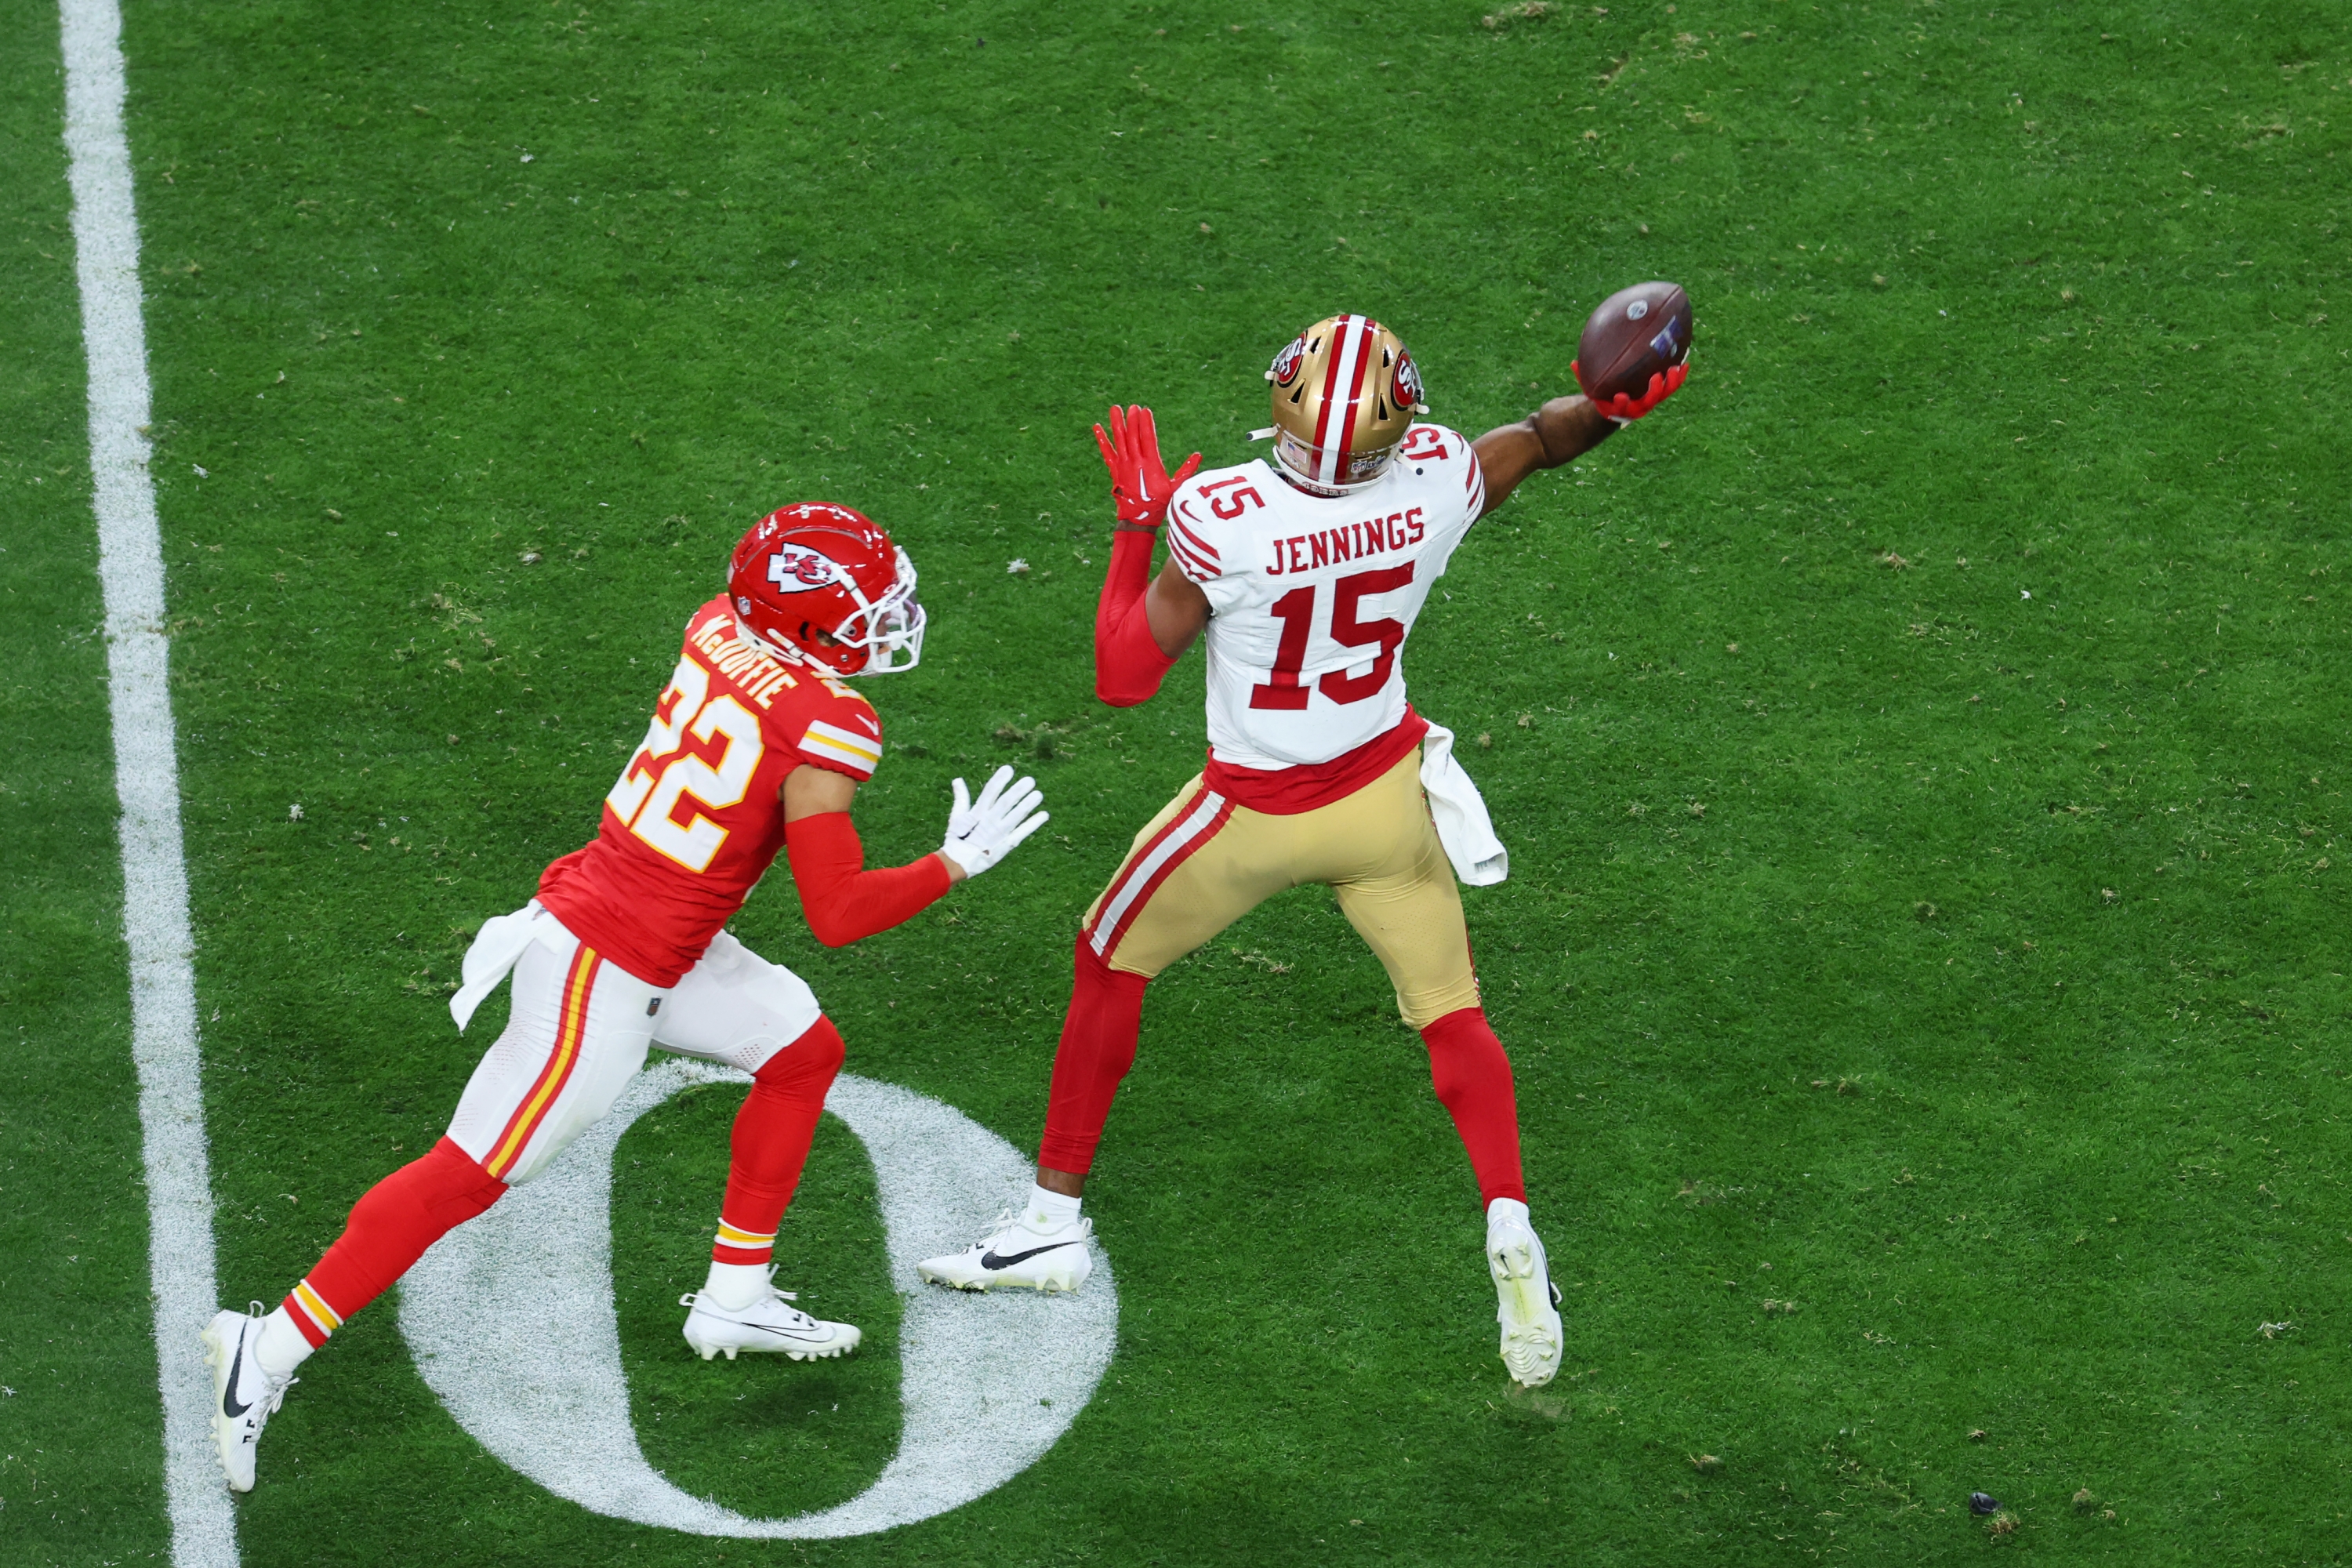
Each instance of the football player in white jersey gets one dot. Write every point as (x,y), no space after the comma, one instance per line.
(1307,574)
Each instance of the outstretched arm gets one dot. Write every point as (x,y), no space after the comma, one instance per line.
(842,900)
(1558,432)
(1562,431)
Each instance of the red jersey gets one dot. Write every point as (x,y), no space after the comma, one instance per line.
(697,818)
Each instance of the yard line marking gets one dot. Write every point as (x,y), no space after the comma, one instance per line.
(146,780)
(987,1384)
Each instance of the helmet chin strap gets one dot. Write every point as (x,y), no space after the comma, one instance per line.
(785,650)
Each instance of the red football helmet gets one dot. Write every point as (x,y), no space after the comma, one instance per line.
(821,582)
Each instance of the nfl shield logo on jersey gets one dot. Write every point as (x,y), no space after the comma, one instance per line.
(796,569)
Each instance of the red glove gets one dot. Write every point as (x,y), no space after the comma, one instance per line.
(1139,482)
(1624,405)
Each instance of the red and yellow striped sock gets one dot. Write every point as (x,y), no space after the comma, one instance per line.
(736,1245)
(309,1312)
(769,1141)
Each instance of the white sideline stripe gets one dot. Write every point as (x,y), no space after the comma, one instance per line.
(146,780)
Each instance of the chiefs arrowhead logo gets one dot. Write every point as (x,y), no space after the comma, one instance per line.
(1285,369)
(796,569)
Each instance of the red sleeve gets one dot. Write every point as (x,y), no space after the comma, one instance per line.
(1129,665)
(844,902)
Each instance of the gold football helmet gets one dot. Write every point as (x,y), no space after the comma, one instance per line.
(1344,391)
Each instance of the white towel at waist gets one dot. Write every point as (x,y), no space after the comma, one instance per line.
(497,947)
(1462,825)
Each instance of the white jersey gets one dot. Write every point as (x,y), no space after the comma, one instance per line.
(1313,596)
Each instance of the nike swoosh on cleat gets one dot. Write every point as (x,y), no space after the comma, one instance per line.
(771,1329)
(229,1407)
(990,1259)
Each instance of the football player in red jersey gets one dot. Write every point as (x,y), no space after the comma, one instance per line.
(755,746)
(1306,574)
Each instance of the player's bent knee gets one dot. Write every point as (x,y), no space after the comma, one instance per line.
(816,1055)
(738,1009)
(780,1033)
(1421,1006)
(460,1189)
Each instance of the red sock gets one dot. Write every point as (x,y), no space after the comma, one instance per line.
(1473,1078)
(1097,1047)
(772,1142)
(391,1225)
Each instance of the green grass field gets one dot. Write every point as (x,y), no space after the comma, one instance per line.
(1921,746)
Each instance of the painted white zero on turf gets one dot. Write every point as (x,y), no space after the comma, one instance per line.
(146,779)
(512,1324)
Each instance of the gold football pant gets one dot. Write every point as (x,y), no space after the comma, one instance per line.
(1204,862)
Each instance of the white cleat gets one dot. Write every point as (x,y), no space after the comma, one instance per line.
(1526,1300)
(1016,1254)
(767,1327)
(244,1396)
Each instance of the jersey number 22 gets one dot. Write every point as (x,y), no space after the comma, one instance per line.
(647,794)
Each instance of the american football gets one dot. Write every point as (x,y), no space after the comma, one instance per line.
(1636,334)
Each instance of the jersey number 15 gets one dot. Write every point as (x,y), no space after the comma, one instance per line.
(647,794)
(1296,611)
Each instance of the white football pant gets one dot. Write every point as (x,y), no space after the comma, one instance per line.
(579,1027)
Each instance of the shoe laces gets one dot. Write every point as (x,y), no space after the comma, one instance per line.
(1004,1222)
(1013,1220)
(697,1298)
(273,1389)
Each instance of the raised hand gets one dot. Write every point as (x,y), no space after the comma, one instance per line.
(982,832)
(1625,407)
(1140,483)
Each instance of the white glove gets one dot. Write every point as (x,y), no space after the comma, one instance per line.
(982,832)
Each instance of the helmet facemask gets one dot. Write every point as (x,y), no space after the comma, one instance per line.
(886,627)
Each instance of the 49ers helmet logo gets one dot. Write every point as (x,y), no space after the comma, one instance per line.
(1407,381)
(796,569)
(1285,364)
